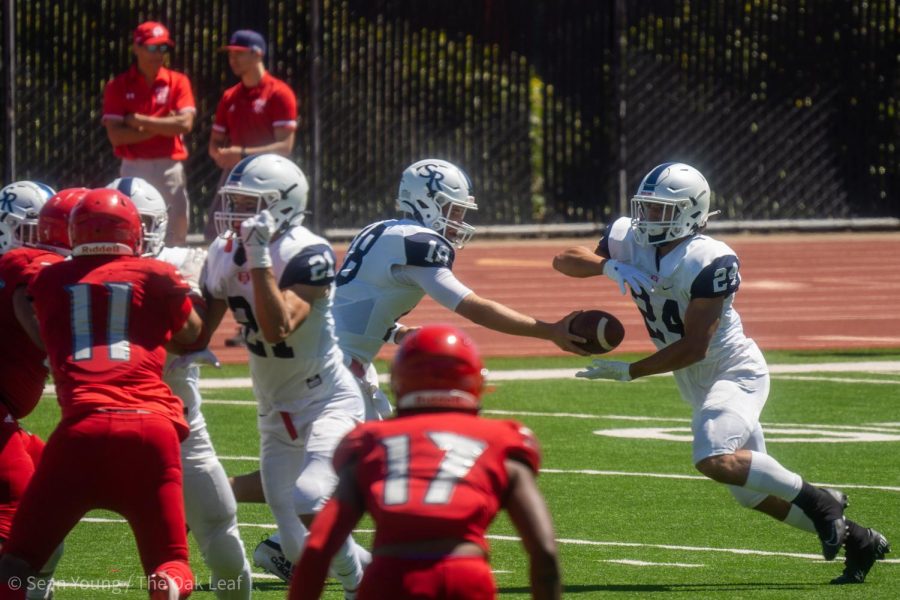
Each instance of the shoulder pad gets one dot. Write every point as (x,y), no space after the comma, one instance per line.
(717,279)
(314,265)
(522,445)
(428,250)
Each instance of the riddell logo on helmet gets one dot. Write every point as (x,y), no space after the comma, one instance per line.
(447,399)
(98,248)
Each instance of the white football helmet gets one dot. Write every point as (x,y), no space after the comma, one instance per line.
(275,181)
(437,194)
(151,207)
(672,202)
(20,204)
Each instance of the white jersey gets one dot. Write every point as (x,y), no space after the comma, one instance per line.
(371,293)
(185,382)
(285,375)
(700,267)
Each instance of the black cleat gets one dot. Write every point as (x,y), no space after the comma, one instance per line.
(861,556)
(831,525)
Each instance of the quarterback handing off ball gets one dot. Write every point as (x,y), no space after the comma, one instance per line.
(602,330)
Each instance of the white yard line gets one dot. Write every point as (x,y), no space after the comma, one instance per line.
(644,563)
(879,367)
(607,473)
(577,542)
(838,379)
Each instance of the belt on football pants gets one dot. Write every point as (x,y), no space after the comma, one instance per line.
(289,424)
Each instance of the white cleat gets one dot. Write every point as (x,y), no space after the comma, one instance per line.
(268,557)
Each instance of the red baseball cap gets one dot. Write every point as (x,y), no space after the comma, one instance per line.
(152,32)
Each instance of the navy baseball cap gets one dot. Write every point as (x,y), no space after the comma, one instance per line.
(245,39)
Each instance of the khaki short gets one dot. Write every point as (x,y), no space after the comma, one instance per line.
(166,175)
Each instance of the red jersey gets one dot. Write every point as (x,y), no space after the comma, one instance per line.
(435,476)
(104,320)
(249,116)
(22,370)
(129,93)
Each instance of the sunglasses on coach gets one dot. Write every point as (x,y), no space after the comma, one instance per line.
(162,48)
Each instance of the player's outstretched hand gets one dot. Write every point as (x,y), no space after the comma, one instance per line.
(623,273)
(606,369)
(202,357)
(564,338)
(256,232)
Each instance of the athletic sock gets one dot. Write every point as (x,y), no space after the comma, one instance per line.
(346,566)
(768,476)
(797,518)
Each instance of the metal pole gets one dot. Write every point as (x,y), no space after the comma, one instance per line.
(315,48)
(621,28)
(9,88)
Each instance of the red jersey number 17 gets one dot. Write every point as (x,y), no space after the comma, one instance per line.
(460,454)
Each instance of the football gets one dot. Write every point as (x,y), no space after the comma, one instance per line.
(602,330)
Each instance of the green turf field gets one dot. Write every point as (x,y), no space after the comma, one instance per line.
(632,517)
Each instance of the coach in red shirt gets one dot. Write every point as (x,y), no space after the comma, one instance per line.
(146,111)
(256,116)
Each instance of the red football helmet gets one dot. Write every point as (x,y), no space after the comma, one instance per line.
(438,368)
(53,220)
(105,221)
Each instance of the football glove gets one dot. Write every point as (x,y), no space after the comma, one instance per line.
(606,369)
(203,357)
(256,232)
(623,273)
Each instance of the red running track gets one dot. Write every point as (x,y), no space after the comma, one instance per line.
(811,291)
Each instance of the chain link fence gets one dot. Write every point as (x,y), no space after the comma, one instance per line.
(556,109)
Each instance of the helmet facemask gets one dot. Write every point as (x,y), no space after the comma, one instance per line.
(450,223)
(236,203)
(26,232)
(656,221)
(155,226)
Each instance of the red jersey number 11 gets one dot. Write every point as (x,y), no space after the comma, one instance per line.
(118,346)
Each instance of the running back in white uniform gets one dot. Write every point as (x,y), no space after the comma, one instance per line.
(210,507)
(678,272)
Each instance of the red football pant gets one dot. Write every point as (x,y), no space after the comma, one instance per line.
(20,452)
(452,578)
(129,463)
